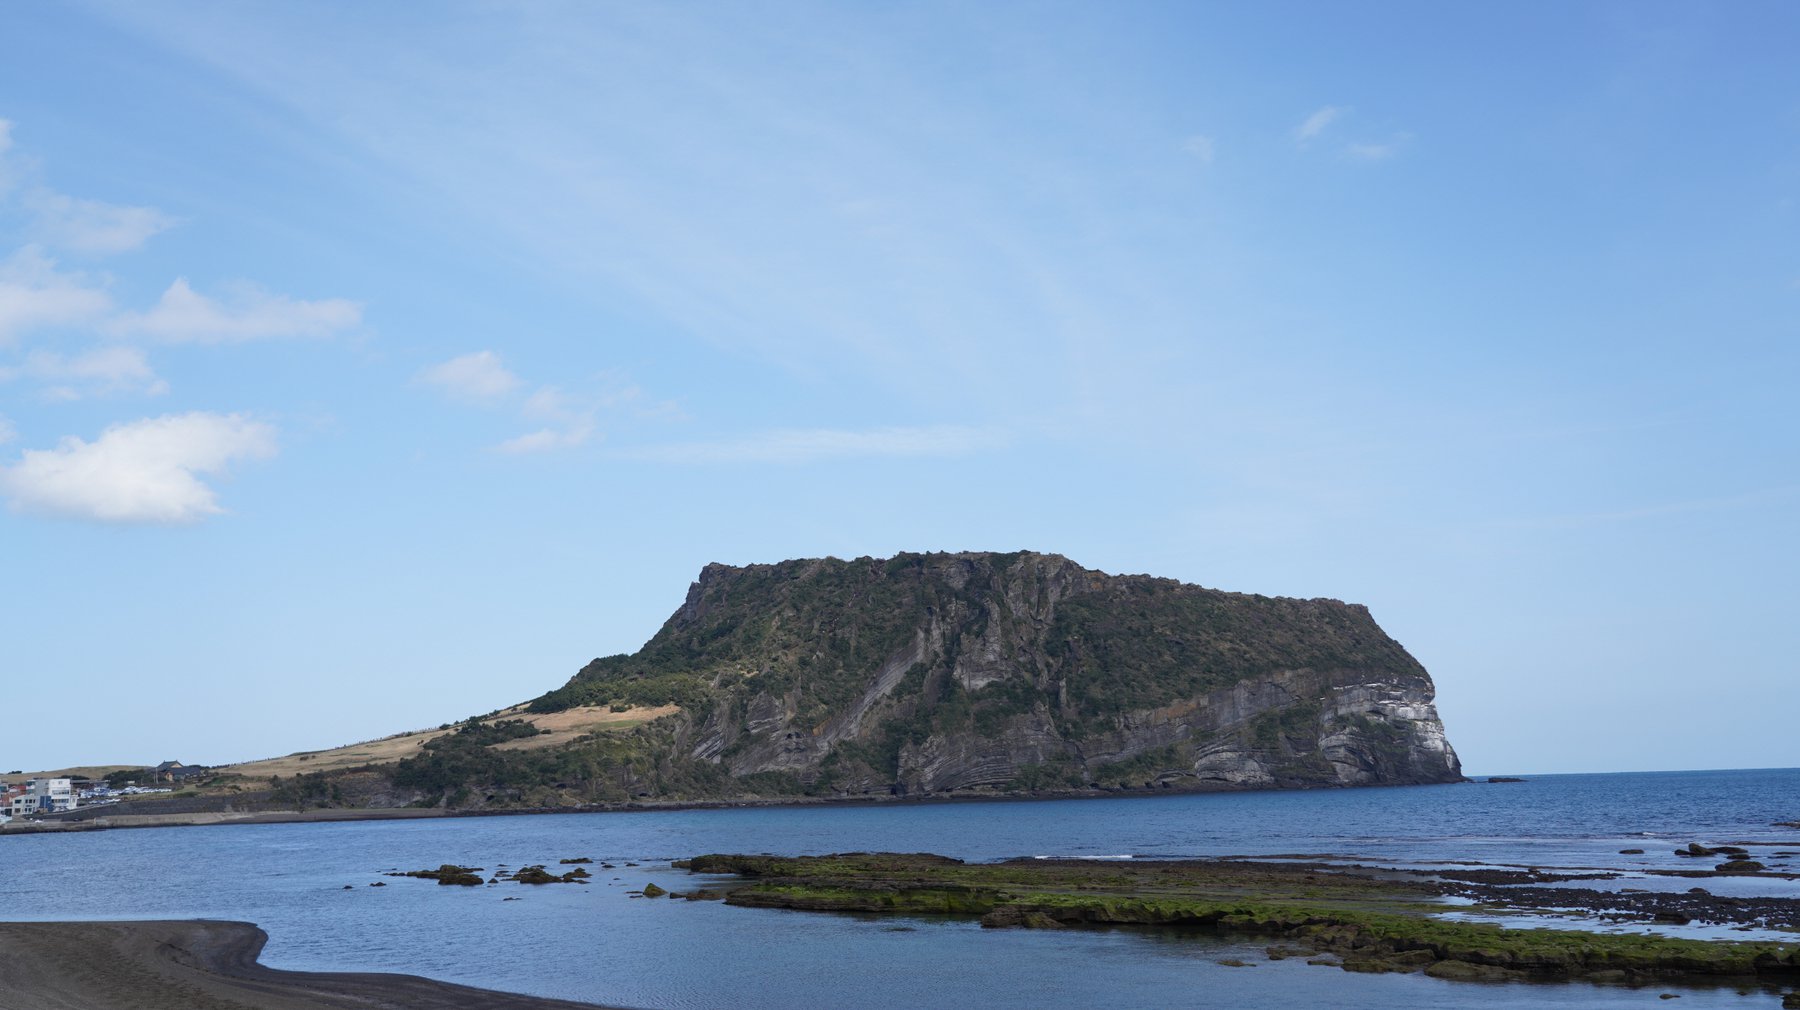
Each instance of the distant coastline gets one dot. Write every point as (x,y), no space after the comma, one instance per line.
(94,820)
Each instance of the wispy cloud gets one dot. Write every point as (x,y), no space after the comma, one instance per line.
(821,246)
(145,471)
(572,422)
(34,294)
(184,315)
(1373,151)
(569,419)
(7,432)
(1201,148)
(92,226)
(1314,125)
(547,440)
(99,372)
(59,221)
(9,171)
(809,445)
(1754,499)
(479,377)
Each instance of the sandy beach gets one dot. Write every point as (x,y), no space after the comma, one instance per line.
(202,965)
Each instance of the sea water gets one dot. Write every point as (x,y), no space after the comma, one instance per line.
(595,943)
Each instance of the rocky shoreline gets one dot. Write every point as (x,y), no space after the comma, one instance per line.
(181,965)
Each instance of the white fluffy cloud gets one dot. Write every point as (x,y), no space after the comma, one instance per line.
(184,315)
(34,294)
(479,377)
(98,372)
(145,471)
(91,226)
(809,445)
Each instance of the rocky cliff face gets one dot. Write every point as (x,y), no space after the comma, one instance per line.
(944,673)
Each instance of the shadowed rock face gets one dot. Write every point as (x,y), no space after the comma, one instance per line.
(932,673)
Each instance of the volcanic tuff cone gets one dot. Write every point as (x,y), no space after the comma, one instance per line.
(931,673)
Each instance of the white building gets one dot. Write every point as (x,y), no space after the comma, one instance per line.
(50,795)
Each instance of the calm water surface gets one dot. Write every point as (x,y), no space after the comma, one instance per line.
(593,943)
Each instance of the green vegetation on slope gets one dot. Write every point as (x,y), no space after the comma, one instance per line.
(818,627)
(819,630)
(1143,643)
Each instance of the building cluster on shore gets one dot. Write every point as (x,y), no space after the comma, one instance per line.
(38,796)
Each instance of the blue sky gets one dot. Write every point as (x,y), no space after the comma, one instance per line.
(364,367)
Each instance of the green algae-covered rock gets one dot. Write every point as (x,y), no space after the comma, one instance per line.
(1740,866)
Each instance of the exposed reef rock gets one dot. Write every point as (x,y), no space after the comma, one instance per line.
(1370,920)
(449,873)
(934,674)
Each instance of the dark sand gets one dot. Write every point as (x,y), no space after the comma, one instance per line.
(193,965)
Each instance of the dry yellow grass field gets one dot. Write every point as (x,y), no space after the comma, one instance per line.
(84,771)
(556,727)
